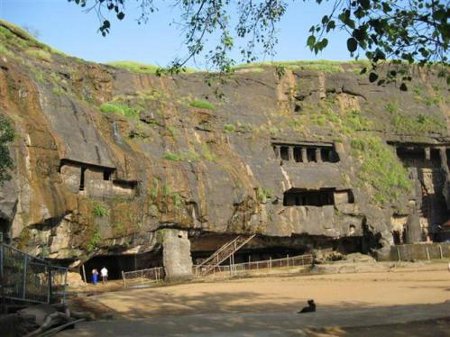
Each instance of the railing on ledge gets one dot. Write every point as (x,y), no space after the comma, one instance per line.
(142,278)
(223,253)
(249,267)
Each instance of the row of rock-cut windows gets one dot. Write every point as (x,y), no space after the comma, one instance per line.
(95,171)
(95,180)
(321,197)
(305,153)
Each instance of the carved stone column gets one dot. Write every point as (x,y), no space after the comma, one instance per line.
(304,155)
(291,153)
(318,155)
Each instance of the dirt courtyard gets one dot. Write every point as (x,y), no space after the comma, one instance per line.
(347,303)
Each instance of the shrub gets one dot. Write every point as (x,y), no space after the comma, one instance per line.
(100,210)
(120,109)
(171,156)
(201,104)
(229,128)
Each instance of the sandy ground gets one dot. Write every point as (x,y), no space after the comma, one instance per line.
(350,304)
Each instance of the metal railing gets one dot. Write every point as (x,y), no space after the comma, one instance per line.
(223,253)
(420,251)
(143,277)
(25,278)
(255,266)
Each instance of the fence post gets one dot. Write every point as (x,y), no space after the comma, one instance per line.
(428,253)
(440,252)
(2,281)
(65,285)
(123,279)
(398,254)
(270,263)
(24,285)
(84,273)
(49,293)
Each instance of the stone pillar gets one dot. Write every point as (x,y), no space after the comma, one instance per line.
(176,254)
(427,153)
(318,155)
(276,149)
(304,155)
(291,153)
(413,229)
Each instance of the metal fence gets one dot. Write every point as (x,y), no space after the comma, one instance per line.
(420,251)
(143,277)
(25,278)
(255,266)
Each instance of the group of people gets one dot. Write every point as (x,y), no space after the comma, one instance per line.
(103,274)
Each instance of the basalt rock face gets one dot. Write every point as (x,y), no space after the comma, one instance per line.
(105,157)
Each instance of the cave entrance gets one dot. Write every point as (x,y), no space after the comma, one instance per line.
(262,248)
(425,164)
(4,230)
(302,197)
(118,263)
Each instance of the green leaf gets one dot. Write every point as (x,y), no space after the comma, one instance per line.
(352,44)
(311,41)
(373,77)
(364,4)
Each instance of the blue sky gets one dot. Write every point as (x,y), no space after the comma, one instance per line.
(65,26)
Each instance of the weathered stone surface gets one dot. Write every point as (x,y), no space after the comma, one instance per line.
(87,181)
(176,254)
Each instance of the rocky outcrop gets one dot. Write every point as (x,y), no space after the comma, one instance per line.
(105,157)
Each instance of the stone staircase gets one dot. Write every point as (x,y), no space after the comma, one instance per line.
(223,253)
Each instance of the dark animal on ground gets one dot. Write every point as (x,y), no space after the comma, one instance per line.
(310,308)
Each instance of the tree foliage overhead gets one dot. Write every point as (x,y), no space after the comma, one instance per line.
(413,31)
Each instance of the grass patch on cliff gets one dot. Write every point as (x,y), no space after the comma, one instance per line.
(94,240)
(202,104)
(381,169)
(191,155)
(135,67)
(320,65)
(120,109)
(99,210)
(142,68)
(416,125)
(39,54)
(263,194)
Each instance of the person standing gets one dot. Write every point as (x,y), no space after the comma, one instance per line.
(94,276)
(104,274)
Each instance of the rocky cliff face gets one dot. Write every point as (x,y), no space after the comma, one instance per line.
(312,153)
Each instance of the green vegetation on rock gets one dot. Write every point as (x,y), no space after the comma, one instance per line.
(320,65)
(99,210)
(380,168)
(135,67)
(202,104)
(229,128)
(120,109)
(420,124)
(94,240)
(6,136)
(263,194)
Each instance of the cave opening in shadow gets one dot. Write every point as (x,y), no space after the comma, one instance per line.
(263,248)
(302,197)
(116,264)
